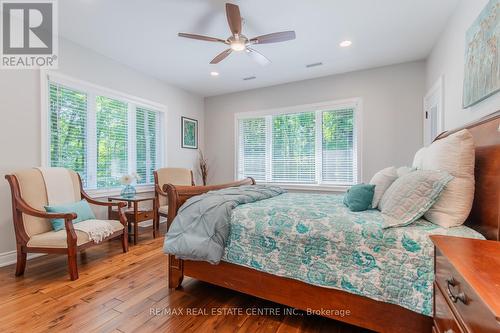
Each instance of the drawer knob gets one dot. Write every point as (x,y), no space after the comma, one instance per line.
(449,331)
(450,283)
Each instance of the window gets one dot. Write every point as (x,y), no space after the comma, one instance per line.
(101,135)
(314,146)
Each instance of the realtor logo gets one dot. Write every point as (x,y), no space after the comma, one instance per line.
(29,34)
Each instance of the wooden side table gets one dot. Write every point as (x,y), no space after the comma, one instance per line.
(467,285)
(135,215)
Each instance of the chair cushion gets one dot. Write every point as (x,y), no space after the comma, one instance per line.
(163,209)
(176,176)
(33,191)
(57,239)
(32,188)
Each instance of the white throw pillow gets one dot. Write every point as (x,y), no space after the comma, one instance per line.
(382,180)
(454,154)
(419,158)
(404,170)
(411,195)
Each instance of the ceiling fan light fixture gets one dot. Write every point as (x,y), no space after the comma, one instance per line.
(345,43)
(214,73)
(238,46)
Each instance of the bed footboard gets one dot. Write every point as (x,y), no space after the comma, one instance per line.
(177,195)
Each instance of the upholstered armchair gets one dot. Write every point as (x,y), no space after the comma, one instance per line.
(33,229)
(174,176)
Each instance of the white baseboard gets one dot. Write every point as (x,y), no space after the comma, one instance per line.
(10,257)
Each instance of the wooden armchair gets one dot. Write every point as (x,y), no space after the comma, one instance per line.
(174,176)
(33,229)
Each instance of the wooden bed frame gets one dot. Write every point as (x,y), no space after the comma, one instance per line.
(364,312)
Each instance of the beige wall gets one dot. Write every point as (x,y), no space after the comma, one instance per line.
(392,114)
(447,59)
(20,109)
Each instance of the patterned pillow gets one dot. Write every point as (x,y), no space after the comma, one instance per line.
(411,195)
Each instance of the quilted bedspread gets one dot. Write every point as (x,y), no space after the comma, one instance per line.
(314,238)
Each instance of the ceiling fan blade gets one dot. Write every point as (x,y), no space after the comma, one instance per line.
(200,37)
(233,18)
(221,56)
(258,57)
(275,37)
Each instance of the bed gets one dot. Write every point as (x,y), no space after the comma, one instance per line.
(287,250)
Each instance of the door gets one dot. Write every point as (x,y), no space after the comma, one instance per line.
(433,112)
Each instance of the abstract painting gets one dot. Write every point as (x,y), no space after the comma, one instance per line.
(482,41)
(189,135)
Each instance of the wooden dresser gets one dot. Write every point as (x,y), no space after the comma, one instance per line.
(466,285)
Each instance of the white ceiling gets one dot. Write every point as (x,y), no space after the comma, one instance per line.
(143,35)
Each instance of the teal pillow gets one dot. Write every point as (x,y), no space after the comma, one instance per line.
(359,197)
(81,209)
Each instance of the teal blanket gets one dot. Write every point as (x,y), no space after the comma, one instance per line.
(314,238)
(201,228)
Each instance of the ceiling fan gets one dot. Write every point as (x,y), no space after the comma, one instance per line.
(239,42)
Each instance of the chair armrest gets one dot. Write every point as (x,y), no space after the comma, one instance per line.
(119,204)
(28,210)
(160,191)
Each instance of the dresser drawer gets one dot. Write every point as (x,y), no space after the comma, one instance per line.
(468,308)
(444,320)
(142,215)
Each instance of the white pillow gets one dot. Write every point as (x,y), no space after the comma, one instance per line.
(382,180)
(404,170)
(411,195)
(418,159)
(454,154)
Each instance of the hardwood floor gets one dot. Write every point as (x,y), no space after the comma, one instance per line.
(119,292)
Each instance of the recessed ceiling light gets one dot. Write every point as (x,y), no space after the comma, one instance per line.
(345,43)
(214,73)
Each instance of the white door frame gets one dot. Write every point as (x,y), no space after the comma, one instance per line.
(433,98)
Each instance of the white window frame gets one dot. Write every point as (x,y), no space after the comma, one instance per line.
(355,103)
(93,90)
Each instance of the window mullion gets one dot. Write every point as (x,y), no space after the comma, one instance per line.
(319,147)
(131,138)
(91,139)
(269,148)
(159,145)
(355,168)
(148,147)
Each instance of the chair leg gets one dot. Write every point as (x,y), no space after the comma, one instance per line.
(72,265)
(125,241)
(136,231)
(21,260)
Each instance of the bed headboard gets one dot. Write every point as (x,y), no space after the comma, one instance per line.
(485,214)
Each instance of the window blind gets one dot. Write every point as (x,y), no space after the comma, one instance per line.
(293,148)
(252,157)
(67,129)
(146,143)
(112,144)
(338,151)
(302,148)
(101,137)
